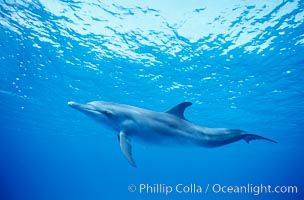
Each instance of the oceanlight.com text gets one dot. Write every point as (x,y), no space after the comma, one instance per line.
(254,189)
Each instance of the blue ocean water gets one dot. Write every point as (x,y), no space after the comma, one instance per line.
(239,62)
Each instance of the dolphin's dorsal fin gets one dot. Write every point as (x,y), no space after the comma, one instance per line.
(179,109)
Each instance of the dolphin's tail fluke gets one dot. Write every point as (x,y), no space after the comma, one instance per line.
(249,137)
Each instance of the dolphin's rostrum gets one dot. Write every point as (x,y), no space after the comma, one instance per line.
(133,123)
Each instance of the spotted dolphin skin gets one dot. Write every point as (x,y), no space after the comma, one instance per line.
(137,124)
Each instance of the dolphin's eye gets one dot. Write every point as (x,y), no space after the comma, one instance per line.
(107,113)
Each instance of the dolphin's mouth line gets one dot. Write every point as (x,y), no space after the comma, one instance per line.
(91,111)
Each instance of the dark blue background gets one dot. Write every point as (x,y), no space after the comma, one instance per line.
(49,151)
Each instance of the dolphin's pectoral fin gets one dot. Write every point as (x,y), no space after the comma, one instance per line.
(126,147)
(249,137)
(179,109)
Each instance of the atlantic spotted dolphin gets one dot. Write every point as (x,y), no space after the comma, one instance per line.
(133,123)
